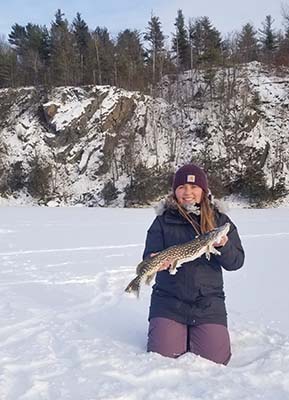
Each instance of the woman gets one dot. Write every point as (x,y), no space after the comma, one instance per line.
(187,311)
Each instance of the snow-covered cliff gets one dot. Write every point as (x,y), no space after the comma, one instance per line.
(106,146)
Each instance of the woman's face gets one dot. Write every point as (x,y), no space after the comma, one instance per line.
(188,194)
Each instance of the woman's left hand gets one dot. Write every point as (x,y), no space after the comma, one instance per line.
(222,242)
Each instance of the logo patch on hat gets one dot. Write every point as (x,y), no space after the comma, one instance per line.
(191,178)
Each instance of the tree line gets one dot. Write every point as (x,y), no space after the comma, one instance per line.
(72,54)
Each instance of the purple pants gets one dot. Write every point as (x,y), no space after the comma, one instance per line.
(172,339)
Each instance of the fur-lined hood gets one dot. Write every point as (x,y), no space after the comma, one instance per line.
(169,202)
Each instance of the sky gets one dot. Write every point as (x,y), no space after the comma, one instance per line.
(226,15)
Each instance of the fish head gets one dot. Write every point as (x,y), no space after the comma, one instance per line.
(217,234)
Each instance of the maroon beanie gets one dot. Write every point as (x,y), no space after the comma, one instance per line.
(190,174)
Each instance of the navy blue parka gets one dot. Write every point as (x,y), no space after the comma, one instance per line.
(195,294)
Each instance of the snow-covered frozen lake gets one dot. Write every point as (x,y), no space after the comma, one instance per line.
(68,331)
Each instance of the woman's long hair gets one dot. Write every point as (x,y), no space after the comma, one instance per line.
(207,217)
(208,221)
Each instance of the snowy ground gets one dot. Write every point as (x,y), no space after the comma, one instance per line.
(67,330)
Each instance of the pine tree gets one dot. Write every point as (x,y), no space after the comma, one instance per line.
(205,41)
(7,65)
(181,45)
(63,55)
(101,57)
(282,55)
(285,15)
(17,37)
(37,52)
(155,37)
(247,44)
(130,61)
(268,39)
(82,39)
(32,46)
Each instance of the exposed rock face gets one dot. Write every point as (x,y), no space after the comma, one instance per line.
(102,145)
(50,111)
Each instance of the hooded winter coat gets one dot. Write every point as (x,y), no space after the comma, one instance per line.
(195,294)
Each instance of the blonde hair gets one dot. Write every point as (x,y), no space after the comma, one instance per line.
(208,221)
(207,217)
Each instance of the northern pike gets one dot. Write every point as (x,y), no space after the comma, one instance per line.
(178,255)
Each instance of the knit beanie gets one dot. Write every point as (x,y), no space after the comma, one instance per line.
(190,174)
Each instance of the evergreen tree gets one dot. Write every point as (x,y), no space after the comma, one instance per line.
(181,45)
(101,57)
(32,46)
(17,38)
(7,65)
(155,37)
(130,61)
(247,44)
(268,39)
(285,15)
(63,55)
(281,56)
(230,51)
(37,52)
(206,42)
(82,39)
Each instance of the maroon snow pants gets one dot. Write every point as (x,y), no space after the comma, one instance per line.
(171,339)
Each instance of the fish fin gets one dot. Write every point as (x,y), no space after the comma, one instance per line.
(134,286)
(208,254)
(213,250)
(173,268)
(149,279)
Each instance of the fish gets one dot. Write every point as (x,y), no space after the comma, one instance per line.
(178,255)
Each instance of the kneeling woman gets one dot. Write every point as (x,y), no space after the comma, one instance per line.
(187,311)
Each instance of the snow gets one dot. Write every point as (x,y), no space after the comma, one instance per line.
(68,330)
(97,123)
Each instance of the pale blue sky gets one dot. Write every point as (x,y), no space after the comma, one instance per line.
(117,15)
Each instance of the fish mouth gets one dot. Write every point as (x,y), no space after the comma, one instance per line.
(222,231)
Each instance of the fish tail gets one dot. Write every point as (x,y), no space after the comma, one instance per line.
(134,286)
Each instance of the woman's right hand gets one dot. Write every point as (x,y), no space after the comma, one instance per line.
(165,265)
